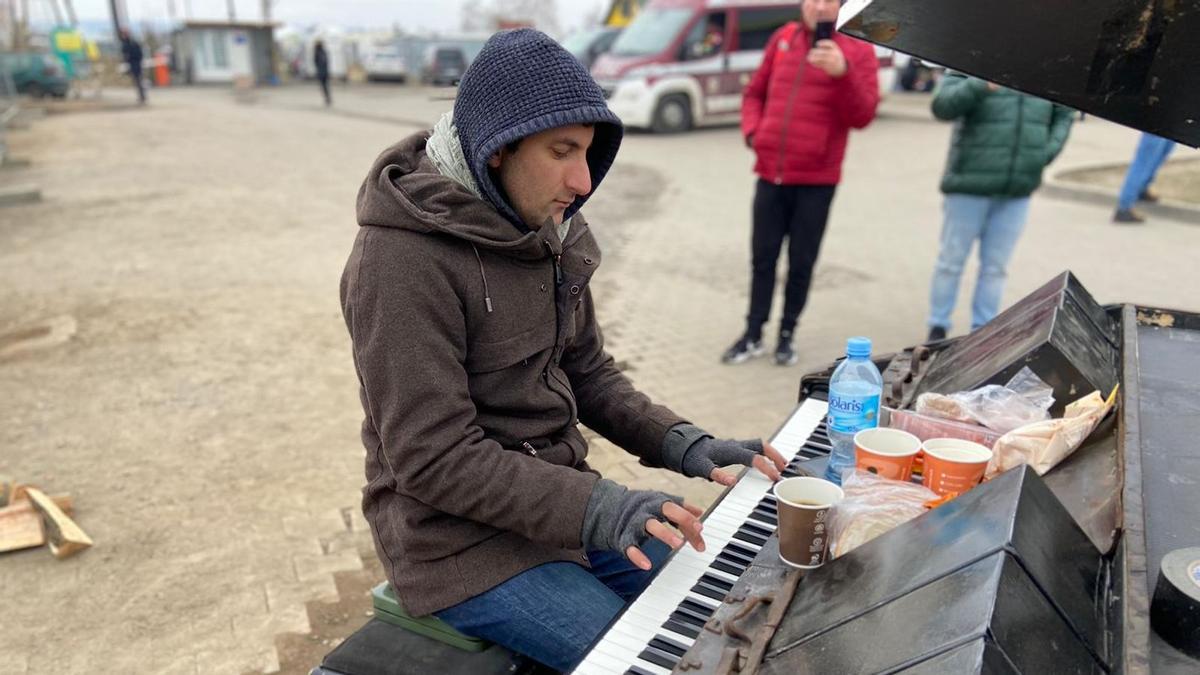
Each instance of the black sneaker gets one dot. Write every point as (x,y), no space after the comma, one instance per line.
(1128,217)
(936,334)
(784,354)
(743,350)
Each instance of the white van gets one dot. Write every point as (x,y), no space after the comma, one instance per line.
(684,63)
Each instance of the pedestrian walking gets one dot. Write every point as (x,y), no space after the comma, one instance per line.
(797,112)
(1002,142)
(1152,152)
(132,53)
(321,64)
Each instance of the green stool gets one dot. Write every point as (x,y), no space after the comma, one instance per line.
(388,609)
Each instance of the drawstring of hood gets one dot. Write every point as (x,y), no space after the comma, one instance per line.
(445,151)
(487,297)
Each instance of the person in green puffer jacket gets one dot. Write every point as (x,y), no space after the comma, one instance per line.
(1002,141)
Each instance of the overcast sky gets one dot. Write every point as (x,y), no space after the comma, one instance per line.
(412,15)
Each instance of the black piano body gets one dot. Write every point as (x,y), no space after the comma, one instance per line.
(1024,574)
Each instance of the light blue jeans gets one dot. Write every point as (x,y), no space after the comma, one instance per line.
(997,223)
(1151,152)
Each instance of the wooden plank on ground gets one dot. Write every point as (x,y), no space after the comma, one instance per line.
(7,485)
(21,524)
(62,534)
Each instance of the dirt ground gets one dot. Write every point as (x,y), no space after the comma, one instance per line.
(172,352)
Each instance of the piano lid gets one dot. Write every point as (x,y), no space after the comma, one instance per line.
(1130,61)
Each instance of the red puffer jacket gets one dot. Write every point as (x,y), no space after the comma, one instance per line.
(800,117)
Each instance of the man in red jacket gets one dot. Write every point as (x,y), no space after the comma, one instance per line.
(797,113)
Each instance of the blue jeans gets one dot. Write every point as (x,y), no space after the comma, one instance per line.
(1151,152)
(554,612)
(997,223)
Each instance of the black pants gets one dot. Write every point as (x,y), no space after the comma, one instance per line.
(797,213)
(137,82)
(325,89)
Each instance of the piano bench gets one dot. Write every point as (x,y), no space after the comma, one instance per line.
(395,643)
(388,609)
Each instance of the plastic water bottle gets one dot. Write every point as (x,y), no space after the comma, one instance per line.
(854,392)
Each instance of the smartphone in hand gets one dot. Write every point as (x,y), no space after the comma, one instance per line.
(824,31)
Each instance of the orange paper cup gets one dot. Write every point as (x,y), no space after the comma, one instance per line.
(953,466)
(888,453)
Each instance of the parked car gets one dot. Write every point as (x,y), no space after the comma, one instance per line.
(444,65)
(589,43)
(37,75)
(684,63)
(385,63)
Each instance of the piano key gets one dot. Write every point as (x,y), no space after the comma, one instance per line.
(686,619)
(738,552)
(696,608)
(752,526)
(709,592)
(726,567)
(658,658)
(666,644)
(634,670)
(689,630)
(715,582)
(750,538)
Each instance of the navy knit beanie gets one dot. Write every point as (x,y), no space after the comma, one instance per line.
(520,84)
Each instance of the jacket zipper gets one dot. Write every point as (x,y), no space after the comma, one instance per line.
(557,258)
(787,119)
(558,338)
(529,448)
(1012,167)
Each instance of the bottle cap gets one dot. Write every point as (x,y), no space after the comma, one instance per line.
(857,347)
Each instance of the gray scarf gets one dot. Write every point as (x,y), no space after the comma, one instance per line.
(445,151)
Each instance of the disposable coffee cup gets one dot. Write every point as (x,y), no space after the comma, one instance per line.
(953,465)
(888,453)
(805,505)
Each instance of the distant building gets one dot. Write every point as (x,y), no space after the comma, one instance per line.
(215,52)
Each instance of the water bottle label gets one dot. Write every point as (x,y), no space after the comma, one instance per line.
(849,414)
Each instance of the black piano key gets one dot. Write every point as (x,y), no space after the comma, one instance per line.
(658,658)
(683,628)
(727,568)
(709,592)
(688,618)
(754,527)
(735,557)
(767,516)
(717,583)
(696,608)
(666,644)
(764,524)
(750,538)
(735,548)
(768,506)
(634,670)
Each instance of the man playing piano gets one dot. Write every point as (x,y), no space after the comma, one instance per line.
(478,353)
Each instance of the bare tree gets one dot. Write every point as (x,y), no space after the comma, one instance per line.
(476,16)
(487,15)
